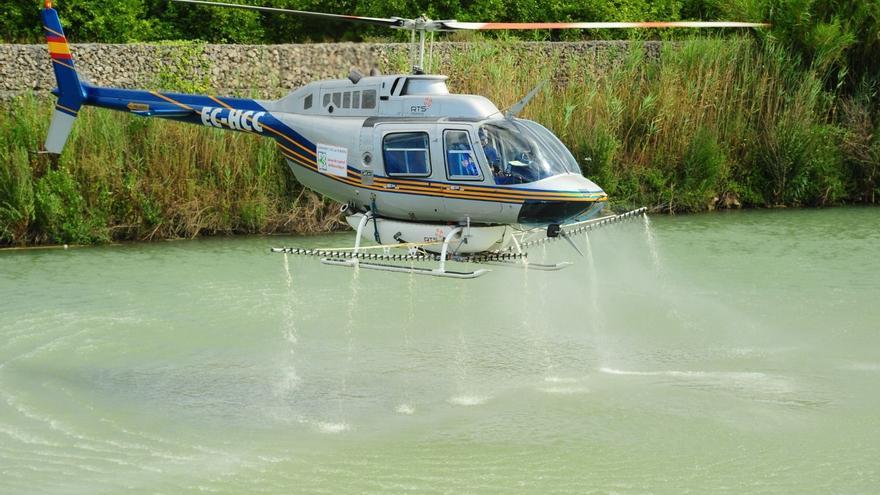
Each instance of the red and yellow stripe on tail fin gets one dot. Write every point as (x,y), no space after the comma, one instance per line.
(71,92)
(59,50)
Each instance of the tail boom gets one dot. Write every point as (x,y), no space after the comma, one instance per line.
(236,114)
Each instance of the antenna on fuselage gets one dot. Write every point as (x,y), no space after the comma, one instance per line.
(423,26)
(517,107)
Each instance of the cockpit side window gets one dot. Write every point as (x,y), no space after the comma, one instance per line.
(521,151)
(406,154)
(461,163)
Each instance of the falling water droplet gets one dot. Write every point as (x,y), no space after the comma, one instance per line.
(287,271)
(652,244)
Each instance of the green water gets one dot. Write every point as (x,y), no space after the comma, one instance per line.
(723,353)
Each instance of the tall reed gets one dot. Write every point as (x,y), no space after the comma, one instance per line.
(712,121)
(123,177)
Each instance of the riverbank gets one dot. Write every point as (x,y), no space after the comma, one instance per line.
(710,123)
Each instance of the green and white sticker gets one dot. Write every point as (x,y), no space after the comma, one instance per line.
(332,160)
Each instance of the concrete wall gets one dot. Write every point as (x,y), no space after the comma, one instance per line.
(252,70)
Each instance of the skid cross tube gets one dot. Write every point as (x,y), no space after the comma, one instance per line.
(445,248)
(360,231)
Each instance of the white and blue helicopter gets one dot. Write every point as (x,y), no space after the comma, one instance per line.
(443,175)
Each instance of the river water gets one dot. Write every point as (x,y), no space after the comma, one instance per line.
(720,353)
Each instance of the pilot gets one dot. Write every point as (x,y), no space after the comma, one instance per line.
(501,176)
(489,150)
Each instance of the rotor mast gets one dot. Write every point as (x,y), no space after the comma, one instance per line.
(422,26)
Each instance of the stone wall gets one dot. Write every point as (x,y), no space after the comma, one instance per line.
(246,70)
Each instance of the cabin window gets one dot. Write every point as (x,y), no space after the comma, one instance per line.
(307,102)
(461,163)
(356,99)
(369,99)
(406,153)
(337,99)
(346,99)
(327,99)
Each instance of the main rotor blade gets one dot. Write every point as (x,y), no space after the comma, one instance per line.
(483,26)
(379,21)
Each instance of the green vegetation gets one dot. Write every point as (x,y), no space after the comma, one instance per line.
(786,116)
(126,178)
(716,122)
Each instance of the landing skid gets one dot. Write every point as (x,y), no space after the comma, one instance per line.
(514,256)
(525,265)
(404,269)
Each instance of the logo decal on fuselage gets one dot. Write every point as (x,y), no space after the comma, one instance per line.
(237,120)
(424,107)
(332,160)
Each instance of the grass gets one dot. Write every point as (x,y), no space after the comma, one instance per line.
(713,123)
(713,120)
(125,178)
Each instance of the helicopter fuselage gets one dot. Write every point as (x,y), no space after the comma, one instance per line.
(400,146)
(403,147)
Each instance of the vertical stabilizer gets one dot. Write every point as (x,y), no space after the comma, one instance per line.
(71,93)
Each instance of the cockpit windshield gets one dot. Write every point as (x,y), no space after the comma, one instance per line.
(520,151)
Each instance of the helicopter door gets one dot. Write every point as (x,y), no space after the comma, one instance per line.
(405,162)
(460,170)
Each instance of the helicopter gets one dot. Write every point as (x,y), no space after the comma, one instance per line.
(443,175)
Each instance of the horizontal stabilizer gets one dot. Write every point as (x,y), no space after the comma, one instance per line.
(59,129)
